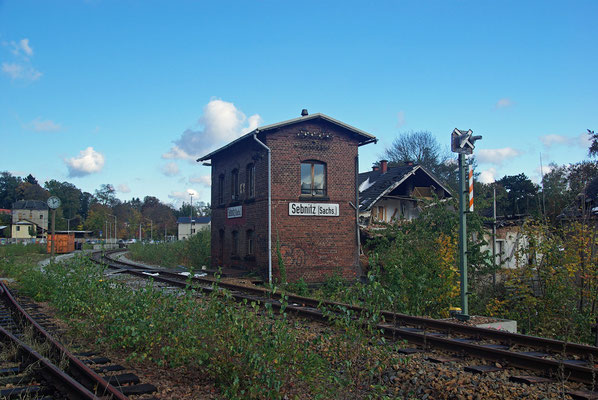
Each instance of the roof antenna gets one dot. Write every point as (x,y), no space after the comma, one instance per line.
(304,112)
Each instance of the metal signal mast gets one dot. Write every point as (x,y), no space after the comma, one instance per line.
(462,142)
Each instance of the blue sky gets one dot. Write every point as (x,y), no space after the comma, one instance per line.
(129,92)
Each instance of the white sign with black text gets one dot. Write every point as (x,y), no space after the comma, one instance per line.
(314,209)
(234,212)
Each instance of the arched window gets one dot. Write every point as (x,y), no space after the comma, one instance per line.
(313,178)
(249,241)
(234,185)
(221,189)
(250,181)
(235,247)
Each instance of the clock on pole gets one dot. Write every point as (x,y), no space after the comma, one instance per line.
(53,202)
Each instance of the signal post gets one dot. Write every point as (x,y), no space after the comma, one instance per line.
(462,142)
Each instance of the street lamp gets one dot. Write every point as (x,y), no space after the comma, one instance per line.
(191,217)
(115,232)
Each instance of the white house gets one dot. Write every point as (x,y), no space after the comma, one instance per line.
(391,194)
(188,226)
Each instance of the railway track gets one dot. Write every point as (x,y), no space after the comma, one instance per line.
(547,357)
(33,364)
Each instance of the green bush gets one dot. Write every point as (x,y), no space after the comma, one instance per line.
(249,352)
(193,253)
(9,250)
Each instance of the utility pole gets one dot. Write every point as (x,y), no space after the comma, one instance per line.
(494,236)
(462,142)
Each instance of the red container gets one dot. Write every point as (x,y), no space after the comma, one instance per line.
(65,243)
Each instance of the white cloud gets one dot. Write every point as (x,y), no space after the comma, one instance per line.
(222,122)
(488,176)
(21,68)
(123,188)
(18,71)
(543,170)
(88,162)
(40,125)
(184,196)
(503,103)
(24,45)
(582,140)
(170,169)
(21,46)
(205,180)
(549,140)
(400,118)
(496,156)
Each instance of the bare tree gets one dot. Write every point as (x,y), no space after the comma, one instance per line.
(417,146)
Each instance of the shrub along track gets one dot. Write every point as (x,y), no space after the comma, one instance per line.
(547,357)
(56,373)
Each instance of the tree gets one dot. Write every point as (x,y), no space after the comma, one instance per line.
(30,191)
(106,195)
(8,189)
(150,202)
(86,199)
(593,151)
(417,146)
(522,195)
(98,215)
(556,194)
(200,209)
(31,179)
(69,195)
(422,148)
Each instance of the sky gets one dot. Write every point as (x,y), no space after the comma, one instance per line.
(130,93)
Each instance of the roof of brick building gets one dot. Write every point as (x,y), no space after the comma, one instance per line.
(30,205)
(364,137)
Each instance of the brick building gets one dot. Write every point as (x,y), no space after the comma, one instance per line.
(290,186)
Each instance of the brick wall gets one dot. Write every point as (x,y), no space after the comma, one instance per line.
(312,248)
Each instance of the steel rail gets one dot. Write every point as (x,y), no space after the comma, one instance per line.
(508,338)
(309,308)
(76,368)
(50,372)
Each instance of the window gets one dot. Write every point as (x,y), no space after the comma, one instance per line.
(221,246)
(250,184)
(235,249)
(249,242)
(18,228)
(313,178)
(234,185)
(41,216)
(381,216)
(221,189)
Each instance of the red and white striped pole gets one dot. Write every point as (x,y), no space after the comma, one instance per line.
(470,188)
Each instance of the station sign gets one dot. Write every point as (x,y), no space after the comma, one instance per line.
(314,209)
(234,212)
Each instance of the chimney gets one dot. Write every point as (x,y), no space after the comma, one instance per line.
(384,166)
(375,168)
(304,112)
(408,163)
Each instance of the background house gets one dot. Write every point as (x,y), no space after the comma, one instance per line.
(390,194)
(28,214)
(188,226)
